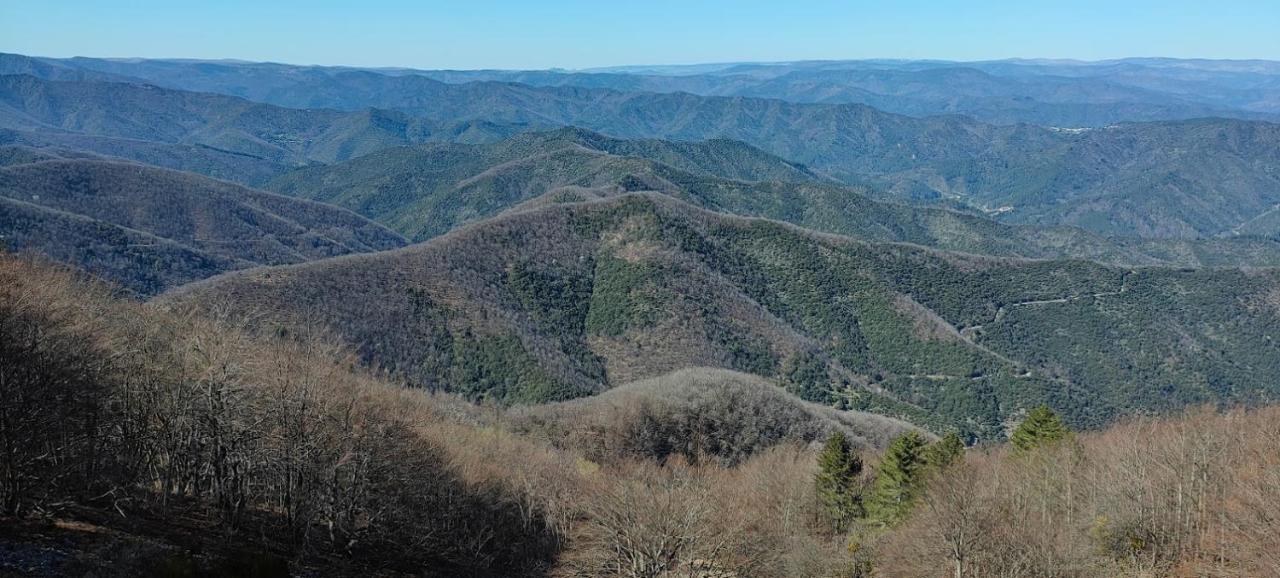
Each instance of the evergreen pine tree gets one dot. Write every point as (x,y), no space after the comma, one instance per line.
(839,468)
(1041,428)
(898,479)
(945,451)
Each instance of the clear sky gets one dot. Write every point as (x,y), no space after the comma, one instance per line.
(587,33)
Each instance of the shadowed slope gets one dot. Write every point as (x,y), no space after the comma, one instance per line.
(150,229)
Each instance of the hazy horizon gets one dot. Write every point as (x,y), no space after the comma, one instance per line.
(629,66)
(578,35)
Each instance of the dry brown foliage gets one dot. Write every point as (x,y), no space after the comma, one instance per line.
(683,520)
(140,411)
(1190,495)
(284,443)
(696,414)
(280,440)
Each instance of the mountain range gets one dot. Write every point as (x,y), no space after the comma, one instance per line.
(578,231)
(425,191)
(1178,179)
(715,320)
(1043,92)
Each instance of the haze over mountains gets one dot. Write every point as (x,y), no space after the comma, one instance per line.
(1045,92)
(1214,177)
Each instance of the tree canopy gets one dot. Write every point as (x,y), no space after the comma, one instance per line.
(838,481)
(1042,427)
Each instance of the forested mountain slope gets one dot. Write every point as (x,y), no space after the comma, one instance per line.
(196,158)
(150,229)
(1187,179)
(428,190)
(572,299)
(78,114)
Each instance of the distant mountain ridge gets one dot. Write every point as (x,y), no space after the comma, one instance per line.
(1139,174)
(1044,92)
(150,229)
(72,112)
(428,190)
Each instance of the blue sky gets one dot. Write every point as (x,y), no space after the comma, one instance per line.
(582,33)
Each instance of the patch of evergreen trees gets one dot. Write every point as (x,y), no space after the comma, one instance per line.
(903,473)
